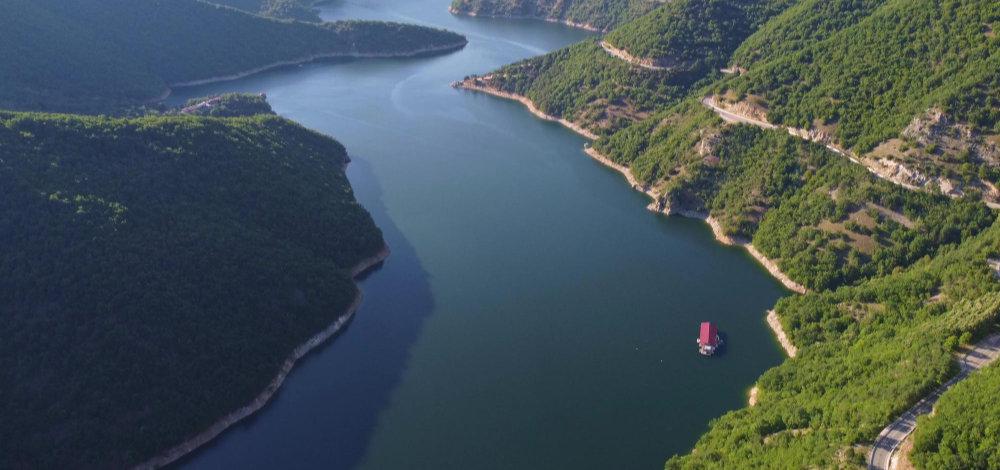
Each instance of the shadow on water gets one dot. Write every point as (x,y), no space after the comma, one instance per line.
(341,407)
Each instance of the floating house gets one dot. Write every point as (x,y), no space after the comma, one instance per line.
(709,340)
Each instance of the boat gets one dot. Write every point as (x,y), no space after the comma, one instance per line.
(709,340)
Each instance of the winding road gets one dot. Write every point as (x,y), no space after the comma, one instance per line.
(884,449)
(733,117)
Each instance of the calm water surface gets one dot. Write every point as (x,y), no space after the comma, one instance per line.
(533,313)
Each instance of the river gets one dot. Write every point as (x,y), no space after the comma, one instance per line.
(533,314)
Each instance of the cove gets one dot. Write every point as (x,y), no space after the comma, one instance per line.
(533,314)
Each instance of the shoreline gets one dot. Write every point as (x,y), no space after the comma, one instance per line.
(547,19)
(655,206)
(775,324)
(264,397)
(314,58)
(768,264)
(469,85)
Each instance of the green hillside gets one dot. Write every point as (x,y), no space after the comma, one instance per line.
(595,14)
(866,353)
(896,270)
(96,55)
(695,33)
(963,431)
(868,78)
(587,85)
(140,257)
(824,220)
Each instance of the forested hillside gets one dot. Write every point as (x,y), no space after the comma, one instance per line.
(866,353)
(157,272)
(98,55)
(695,33)
(301,10)
(871,146)
(689,39)
(963,431)
(824,220)
(592,14)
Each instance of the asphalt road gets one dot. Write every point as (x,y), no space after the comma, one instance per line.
(889,440)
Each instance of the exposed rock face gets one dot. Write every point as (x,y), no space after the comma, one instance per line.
(657,63)
(937,129)
(815,135)
(709,143)
(899,173)
(745,108)
(936,149)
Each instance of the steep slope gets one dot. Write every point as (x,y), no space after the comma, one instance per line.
(850,74)
(158,272)
(860,140)
(96,55)
(823,220)
(694,34)
(911,89)
(962,431)
(598,15)
(865,354)
(590,85)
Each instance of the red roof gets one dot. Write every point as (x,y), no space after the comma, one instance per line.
(709,334)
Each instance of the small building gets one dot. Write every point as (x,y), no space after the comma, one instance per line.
(708,339)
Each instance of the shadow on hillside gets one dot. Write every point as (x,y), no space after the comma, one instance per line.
(327,411)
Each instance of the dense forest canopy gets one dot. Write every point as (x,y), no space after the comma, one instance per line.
(870,77)
(96,55)
(587,85)
(964,429)
(142,253)
(898,273)
(157,272)
(693,33)
(866,353)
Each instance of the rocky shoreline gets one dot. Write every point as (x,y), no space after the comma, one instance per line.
(655,206)
(475,84)
(720,236)
(213,431)
(775,323)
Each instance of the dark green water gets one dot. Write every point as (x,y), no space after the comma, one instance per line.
(533,313)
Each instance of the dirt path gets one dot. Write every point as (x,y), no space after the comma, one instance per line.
(884,451)
(736,118)
(631,59)
(870,164)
